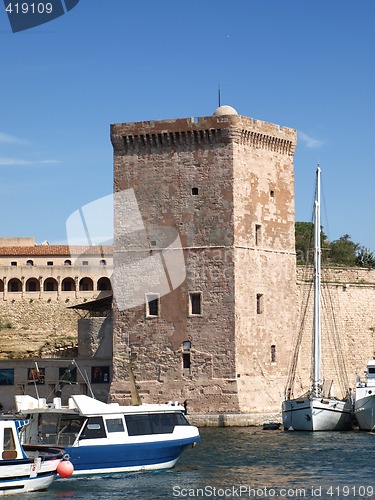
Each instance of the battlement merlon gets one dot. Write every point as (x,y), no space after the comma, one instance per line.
(136,136)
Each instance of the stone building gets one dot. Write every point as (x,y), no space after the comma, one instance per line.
(55,305)
(224,184)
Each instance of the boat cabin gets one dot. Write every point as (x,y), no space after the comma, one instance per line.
(87,419)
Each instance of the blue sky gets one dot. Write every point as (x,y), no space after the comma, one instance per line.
(305,64)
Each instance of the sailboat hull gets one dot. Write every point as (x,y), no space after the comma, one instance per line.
(316,414)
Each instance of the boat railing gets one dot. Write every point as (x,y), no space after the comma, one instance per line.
(59,439)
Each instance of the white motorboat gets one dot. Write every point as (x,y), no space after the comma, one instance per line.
(109,438)
(364,406)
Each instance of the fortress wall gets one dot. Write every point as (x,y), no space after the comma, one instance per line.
(348,330)
(35,328)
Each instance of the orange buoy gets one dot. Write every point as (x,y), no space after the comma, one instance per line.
(65,469)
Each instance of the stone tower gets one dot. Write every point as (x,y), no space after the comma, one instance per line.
(223,186)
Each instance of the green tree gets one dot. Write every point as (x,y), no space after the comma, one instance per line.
(304,232)
(343,251)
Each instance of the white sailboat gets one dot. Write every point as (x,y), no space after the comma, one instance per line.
(315,410)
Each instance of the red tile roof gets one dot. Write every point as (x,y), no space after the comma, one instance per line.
(57,250)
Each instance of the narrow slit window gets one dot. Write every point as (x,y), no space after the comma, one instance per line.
(186,362)
(195,303)
(272,193)
(273,353)
(258,234)
(259,303)
(194,191)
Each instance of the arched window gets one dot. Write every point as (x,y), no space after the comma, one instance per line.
(32,285)
(86,285)
(68,285)
(103,262)
(29,262)
(50,285)
(67,262)
(14,285)
(1,286)
(104,284)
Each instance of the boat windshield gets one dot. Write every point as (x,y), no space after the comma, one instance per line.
(154,423)
(56,429)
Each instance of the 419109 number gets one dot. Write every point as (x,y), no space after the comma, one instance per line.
(32,8)
(352,491)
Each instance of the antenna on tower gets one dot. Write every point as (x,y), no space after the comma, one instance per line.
(219,95)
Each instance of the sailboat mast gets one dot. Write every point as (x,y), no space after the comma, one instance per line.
(317,275)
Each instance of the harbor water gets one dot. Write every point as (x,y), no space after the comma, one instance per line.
(244,462)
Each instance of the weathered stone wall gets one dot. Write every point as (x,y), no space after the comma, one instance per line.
(95,337)
(163,179)
(37,328)
(265,268)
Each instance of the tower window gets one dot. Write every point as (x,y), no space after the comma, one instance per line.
(186,361)
(272,193)
(152,305)
(49,263)
(273,354)
(195,303)
(194,191)
(258,234)
(259,303)
(186,346)
(13,263)
(29,263)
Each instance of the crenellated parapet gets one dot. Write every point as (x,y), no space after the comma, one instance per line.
(164,135)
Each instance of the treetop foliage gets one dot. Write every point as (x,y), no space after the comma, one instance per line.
(341,252)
